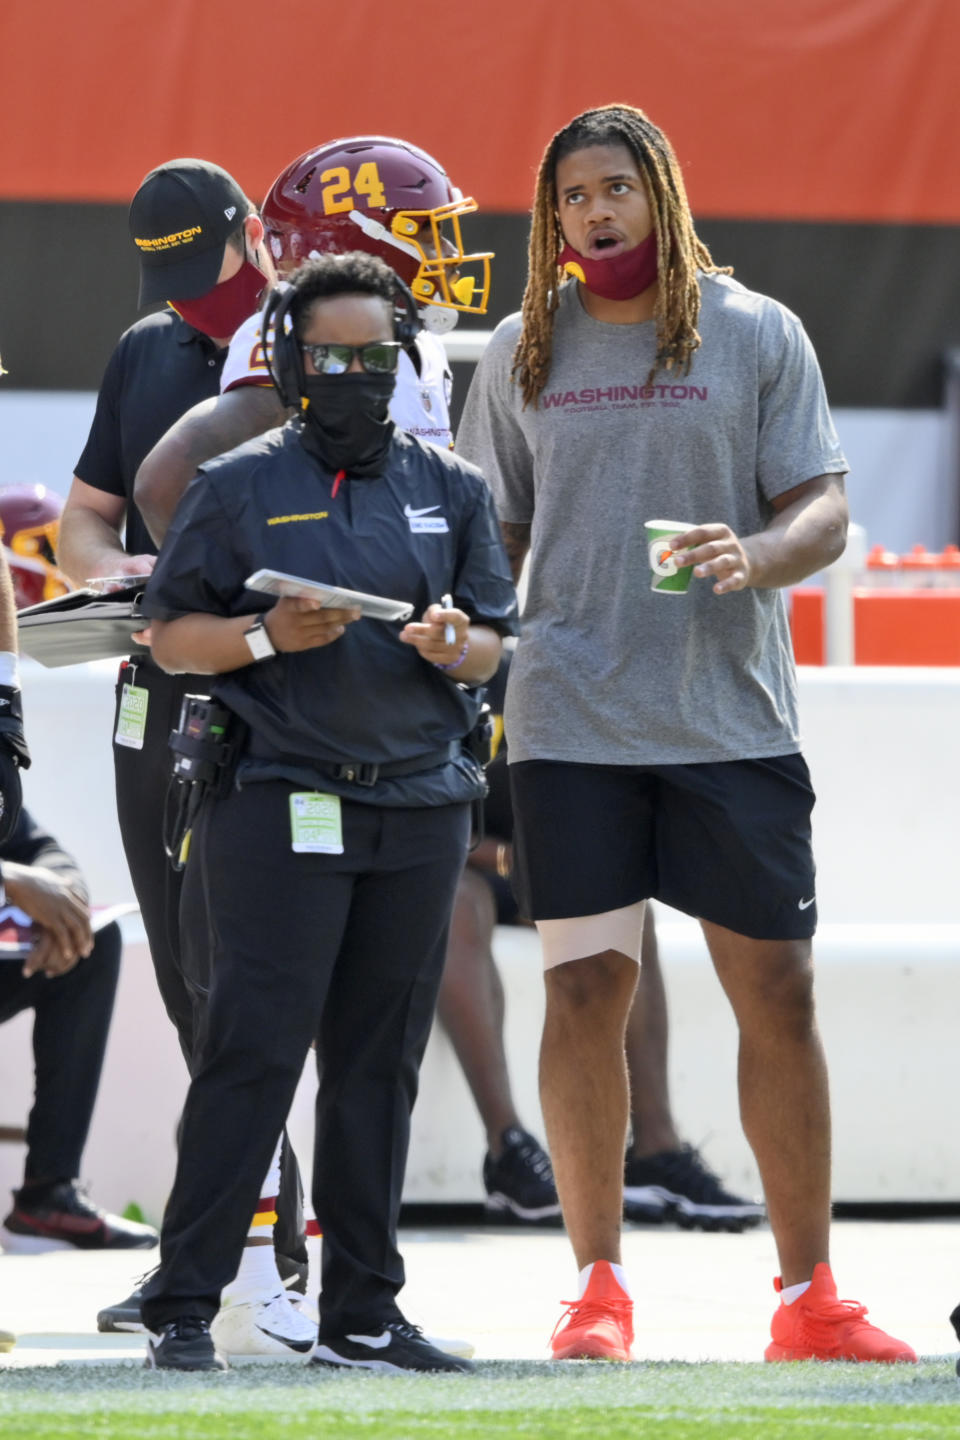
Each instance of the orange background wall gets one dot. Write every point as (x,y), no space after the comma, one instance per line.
(778,109)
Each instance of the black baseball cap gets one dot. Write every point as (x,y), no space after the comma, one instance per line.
(179,221)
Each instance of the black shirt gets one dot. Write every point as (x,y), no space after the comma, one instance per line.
(426,527)
(161,368)
(30,845)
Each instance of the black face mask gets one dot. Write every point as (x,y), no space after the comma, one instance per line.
(347,425)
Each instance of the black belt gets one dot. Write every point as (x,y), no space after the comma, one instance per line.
(365,772)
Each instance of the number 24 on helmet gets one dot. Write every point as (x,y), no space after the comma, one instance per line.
(391,199)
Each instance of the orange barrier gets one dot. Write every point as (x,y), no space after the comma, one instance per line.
(745,61)
(891,627)
(918,569)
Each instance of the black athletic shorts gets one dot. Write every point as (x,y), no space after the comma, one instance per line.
(726,842)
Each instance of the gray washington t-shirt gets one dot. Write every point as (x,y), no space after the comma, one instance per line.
(606,670)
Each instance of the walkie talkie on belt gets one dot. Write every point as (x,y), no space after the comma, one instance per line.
(201,754)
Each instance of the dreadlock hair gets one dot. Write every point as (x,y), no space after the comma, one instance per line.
(680,252)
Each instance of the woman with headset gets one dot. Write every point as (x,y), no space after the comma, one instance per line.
(328,864)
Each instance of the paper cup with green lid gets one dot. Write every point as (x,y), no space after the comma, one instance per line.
(666,576)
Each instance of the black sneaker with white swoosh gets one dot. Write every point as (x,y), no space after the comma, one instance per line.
(397,1347)
(183,1344)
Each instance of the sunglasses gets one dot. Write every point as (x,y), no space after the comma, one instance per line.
(380,357)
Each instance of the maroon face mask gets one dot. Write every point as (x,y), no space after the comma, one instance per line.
(619,278)
(224,308)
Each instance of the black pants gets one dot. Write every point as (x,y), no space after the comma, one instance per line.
(71,1022)
(177,928)
(349,948)
(142,779)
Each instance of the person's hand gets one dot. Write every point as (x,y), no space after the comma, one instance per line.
(713,551)
(46,957)
(296,623)
(117,564)
(492,856)
(427,634)
(62,914)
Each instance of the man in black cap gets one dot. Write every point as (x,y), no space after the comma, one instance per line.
(201,249)
(193,227)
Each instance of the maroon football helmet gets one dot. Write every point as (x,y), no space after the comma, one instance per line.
(30,526)
(391,199)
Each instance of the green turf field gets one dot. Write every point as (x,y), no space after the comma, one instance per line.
(504,1398)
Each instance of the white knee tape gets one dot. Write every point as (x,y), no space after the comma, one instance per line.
(564,940)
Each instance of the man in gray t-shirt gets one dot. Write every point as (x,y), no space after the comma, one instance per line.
(654,744)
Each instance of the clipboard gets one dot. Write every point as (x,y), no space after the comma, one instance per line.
(331,597)
(82,625)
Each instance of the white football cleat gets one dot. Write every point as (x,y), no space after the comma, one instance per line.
(272,1329)
(305,1306)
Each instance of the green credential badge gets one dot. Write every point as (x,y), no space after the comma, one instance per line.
(132,718)
(316,827)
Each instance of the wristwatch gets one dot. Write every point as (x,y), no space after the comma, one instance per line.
(258,639)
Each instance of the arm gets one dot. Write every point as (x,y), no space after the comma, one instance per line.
(30,846)
(808,531)
(491,436)
(516,542)
(210,428)
(61,911)
(492,856)
(93,517)
(203,644)
(8,609)
(90,541)
(43,880)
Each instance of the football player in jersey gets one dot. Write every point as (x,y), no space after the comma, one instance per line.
(371,193)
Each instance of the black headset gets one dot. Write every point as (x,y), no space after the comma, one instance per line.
(284,357)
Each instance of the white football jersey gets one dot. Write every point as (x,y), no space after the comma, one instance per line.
(420,404)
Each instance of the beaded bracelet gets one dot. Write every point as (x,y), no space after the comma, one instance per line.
(455,664)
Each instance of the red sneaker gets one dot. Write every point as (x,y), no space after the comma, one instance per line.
(60,1217)
(600,1324)
(818,1326)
